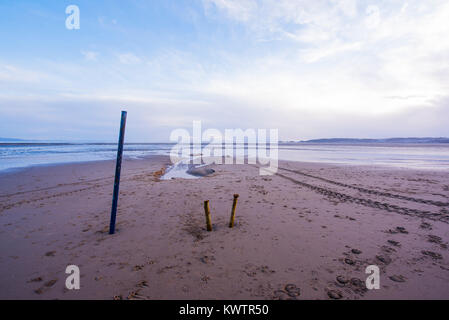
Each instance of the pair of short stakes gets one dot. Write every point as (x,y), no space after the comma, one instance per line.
(207,211)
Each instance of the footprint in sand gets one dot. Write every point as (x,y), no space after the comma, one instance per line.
(394,243)
(397,278)
(38,279)
(292,290)
(426,226)
(433,255)
(135,295)
(138,267)
(142,284)
(341,281)
(281,295)
(50,283)
(388,249)
(207,259)
(397,230)
(358,286)
(252,270)
(436,239)
(401,230)
(39,291)
(384,259)
(334,294)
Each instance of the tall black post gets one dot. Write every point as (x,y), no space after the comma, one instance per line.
(118,167)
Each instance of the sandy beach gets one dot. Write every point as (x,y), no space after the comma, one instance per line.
(312,228)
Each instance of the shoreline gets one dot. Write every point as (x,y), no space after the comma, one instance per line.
(15,170)
(420,157)
(299,227)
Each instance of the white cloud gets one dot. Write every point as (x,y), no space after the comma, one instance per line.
(315,54)
(241,10)
(360,53)
(347,7)
(372,19)
(11,74)
(129,58)
(90,55)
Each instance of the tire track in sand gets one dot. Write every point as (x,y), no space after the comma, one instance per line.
(443,217)
(370,191)
(69,192)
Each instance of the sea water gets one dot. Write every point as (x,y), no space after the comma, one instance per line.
(414,156)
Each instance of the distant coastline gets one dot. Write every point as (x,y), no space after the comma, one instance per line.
(387,140)
(409,140)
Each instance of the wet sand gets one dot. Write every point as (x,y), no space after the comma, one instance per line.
(307,232)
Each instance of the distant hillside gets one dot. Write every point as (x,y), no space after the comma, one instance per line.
(388,140)
(10,139)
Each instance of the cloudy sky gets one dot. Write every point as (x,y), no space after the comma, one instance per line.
(312,69)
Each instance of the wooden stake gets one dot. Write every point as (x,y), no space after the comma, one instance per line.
(234,204)
(207,211)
